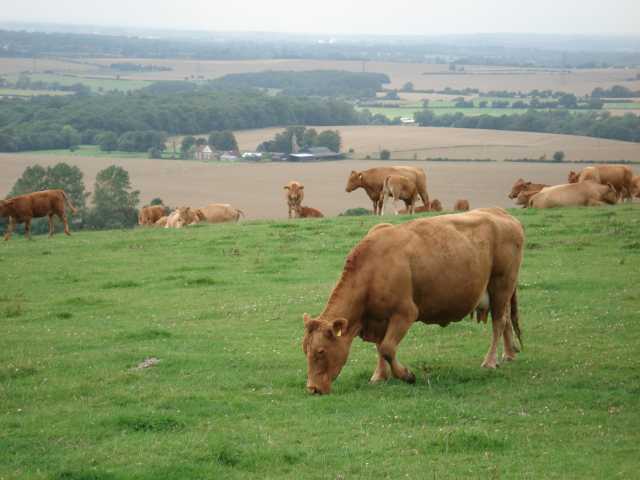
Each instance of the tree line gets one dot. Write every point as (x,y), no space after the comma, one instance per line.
(139,121)
(592,124)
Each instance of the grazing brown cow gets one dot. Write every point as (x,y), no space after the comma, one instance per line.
(220,213)
(294,193)
(23,208)
(372,181)
(619,176)
(521,185)
(461,205)
(399,188)
(183,216)
(150,215)
(436,271)
(582,194)
(308,212)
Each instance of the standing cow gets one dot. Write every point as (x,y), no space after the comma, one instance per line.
(619,176)
(294,193)
(399,188)
(151,214)
(372,181)
(433,270)
(23,208)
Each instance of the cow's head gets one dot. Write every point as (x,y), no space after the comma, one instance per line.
(610,196)
(355,181)
(4,208)
(573,177)
(523,198)
(326,345)
(295,192)
(635,187)
(519,186)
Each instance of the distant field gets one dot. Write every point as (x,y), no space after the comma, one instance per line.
(85,151)
(392,112)
(97,84)
(405,141)
(437,76)
(16,92)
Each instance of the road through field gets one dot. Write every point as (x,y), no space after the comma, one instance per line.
(258,188)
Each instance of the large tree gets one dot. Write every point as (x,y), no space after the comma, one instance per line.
(114,200)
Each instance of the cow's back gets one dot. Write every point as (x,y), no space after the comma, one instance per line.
(444,263)
(220,212)
(38,204)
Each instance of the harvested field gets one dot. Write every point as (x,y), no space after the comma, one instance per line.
(257,188)
(423,76)
(460,143)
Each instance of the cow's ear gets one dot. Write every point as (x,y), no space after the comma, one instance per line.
(339,326)
(286,187)
(301,187)
(309,323)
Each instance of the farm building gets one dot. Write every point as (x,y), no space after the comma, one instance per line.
(203,152)
(315,153)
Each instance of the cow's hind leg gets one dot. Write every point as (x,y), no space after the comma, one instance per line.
(381,372)
(51,225)
(63,217)
(399,324)
(10,228)
(27,229)
(500,297)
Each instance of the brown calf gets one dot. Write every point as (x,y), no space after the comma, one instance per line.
(461,205)
(308,212)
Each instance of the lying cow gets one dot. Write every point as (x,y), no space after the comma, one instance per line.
(151,214)
(308,212)
(419,283)
(294,192)
(372,181)
(183,216)
(399,188)
(619,176)
(524,197)
(23,208)
(220,213)
(522,186)
(583,194)
(161,222)
(461,205)
(436,205)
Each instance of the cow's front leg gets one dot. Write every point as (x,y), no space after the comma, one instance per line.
(27,229)
(10,228)
(381,372)
(51,225)
(399,325)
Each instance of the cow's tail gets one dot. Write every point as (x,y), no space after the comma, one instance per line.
(66,198)
(515,318)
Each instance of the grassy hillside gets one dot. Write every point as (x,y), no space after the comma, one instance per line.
(221,307)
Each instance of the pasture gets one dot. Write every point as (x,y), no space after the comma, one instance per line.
(221,308)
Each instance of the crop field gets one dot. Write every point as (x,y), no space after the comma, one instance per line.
(406,141)
(257,188)
(219,309)
(423,76)
(393,112)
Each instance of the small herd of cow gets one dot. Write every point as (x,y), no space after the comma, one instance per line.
(157,215)
(595,185)
(437,270)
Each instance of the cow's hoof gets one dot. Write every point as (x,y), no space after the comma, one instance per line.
(410,378)
(490,364)
(378,378)
(508,358)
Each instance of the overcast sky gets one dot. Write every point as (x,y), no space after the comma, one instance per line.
(423,17)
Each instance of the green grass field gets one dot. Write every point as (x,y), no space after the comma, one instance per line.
(95,84)
(221,307)
(16,92)
(89,151)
